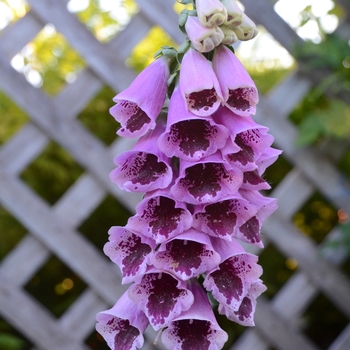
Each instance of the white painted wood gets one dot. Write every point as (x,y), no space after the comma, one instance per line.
(33,320)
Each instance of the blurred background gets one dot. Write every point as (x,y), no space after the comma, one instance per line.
(61,64)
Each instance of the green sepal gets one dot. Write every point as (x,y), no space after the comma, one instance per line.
(182,49)
(167,51)
(182,20)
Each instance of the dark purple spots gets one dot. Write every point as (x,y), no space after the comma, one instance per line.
(251,230)
(126,336)
(162,215)
(253,178)
(204,179)
(239,98)
(220,217)
(144,168)
(137,117)
(192,135)
(227,281)
(163,294)
(135,253)
(204,99)
(245,310)
(184,257)
(245,155)
(193,334)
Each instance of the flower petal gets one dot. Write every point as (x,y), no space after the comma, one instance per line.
(187,255)
(122,325)
(161,297)
(223,218)
(188,136)
(245,314)
(206,181)
(195,328)
(160,217)
(129,251)
(144,168)
(233,278)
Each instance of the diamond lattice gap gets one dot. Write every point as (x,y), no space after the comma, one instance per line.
(52,173)
(105,18)
(48,61)
(55,286)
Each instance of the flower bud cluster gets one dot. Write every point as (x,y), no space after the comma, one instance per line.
(218,22)
(201,170)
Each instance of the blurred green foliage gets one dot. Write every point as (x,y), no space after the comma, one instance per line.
(322,114)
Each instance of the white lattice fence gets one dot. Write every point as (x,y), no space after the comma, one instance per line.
(53,230)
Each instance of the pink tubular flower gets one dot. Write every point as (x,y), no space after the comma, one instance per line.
(160,217)
(245,313)
(161,297)
(211,13)
(195,328)
(130,251)
(144,168)
(239,91)
(122,325)
(249,232)
(235,280)
(222,219)
(204,39)
(206,181)
(140,104)
(199,85)
(187,255)
(188,136)
(248,140)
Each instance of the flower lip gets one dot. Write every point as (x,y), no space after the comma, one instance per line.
(122,325)
(206,181)
(136,109)
(144,168)
(231,282)
(160,217)
(187,255)
(222,219)
(161,296)
(199,85)
(195,328)
(130,251)
(188,136)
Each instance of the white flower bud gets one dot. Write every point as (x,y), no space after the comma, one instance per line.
(204,39)
(211,13)
(230,36)
(247,30)
(234,13)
